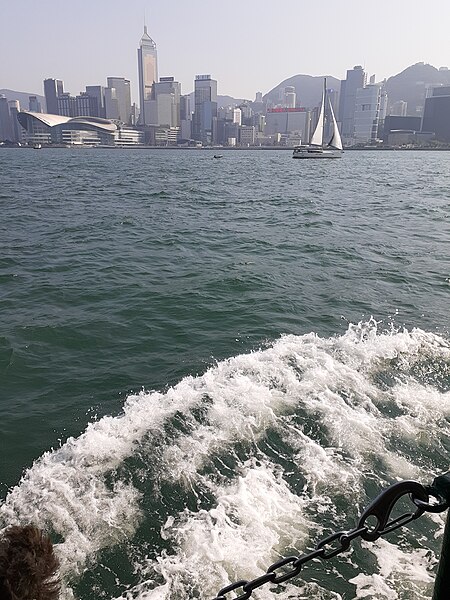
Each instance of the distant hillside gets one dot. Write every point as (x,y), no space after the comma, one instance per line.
(228,101)
(411,85)
(22,97)
(308,89)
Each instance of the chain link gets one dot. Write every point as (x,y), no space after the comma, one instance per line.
(337,543)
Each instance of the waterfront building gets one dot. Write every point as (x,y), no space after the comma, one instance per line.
(42,128)
(400,123)
(125,137)
(6,128)
(53,88)
(409,138)
(355,80)
(370,112)
(205,113)
(147,72)
(247,135)
(436,114)
(123,97)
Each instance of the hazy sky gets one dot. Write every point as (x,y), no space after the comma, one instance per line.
(248,46)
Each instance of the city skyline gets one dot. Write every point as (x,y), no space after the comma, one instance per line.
(246,50)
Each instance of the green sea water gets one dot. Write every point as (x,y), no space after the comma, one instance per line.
(205,364)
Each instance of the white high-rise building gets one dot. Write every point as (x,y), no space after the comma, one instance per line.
(370,111)
(237,116)
(289,97)
(148,74)
(167,93)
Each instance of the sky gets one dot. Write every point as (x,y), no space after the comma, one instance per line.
(247,45)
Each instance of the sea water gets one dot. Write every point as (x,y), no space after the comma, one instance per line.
(207,365)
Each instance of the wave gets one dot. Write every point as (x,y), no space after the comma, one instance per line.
(264,454)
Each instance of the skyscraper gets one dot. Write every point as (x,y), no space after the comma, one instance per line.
(356,79)
(97,92)
(370,112)
(6,129)
(167,93)
(123,95)
(147,70)
(53,88)
(14,110)
(205,114)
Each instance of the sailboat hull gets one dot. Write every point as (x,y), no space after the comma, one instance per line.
(316,152)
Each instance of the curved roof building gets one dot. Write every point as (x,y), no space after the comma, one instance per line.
(44,128)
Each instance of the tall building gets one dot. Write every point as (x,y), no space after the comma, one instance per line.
(147,71)
(14,110)
(185,117)
(53,88)
(97,92)
(167,94)
(370,112)
(6,129)
(205,113)
(123,95)
(355,80)
(111,104)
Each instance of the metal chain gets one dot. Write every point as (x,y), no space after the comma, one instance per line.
(337,543)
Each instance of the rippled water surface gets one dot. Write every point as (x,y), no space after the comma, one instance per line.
(206,365)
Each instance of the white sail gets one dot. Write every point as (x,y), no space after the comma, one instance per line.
(335,141)
(317,136)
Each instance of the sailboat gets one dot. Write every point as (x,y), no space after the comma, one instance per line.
(316,148)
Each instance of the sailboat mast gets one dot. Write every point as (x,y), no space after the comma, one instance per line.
(317,137)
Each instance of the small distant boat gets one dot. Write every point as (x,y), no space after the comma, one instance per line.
(37,146)
(316,148)
(218,155)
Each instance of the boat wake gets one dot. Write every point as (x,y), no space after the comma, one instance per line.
(266,453)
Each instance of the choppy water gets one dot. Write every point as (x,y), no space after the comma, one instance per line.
(207,365)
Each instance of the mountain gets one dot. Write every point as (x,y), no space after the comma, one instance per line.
(228,101)
(22,97)
(411,85)
(308,89)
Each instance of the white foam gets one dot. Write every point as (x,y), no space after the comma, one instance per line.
(254,520)
(402,573)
